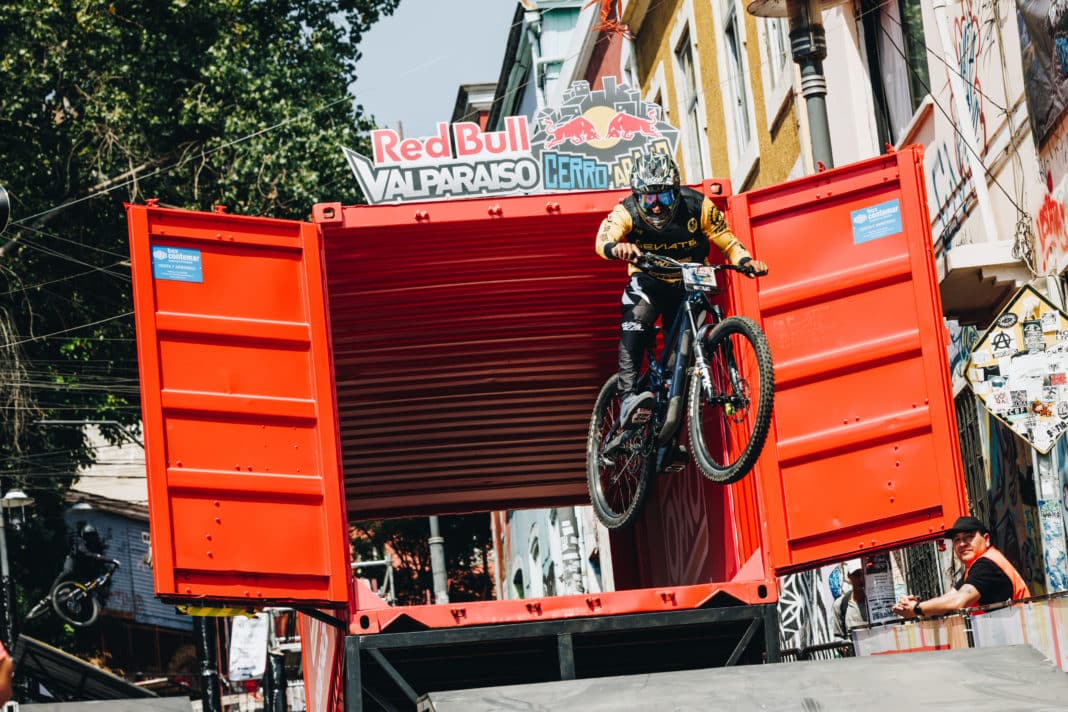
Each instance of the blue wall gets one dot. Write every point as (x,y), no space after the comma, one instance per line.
(131,594)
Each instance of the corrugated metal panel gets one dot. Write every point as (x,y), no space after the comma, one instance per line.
(469,342)
(863,453)
(238,404)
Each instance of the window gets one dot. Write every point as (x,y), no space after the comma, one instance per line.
(776,68)
(897,62)
(737,95)
(690,110)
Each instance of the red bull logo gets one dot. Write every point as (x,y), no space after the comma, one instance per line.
(578,130)
(625,126)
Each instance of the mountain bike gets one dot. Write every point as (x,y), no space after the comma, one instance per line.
(74,602)
(728,406)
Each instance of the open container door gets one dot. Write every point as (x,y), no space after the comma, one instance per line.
(239,412)
(864,452)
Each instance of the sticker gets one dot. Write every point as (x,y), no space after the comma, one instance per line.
(999,400)
(1050,321)
(990,372)
(178,264)
(876,221)
(1019,399)
(1003,343)
(1034,339)
(1062,410)
(1058,379)
(981,357)
(1007,320)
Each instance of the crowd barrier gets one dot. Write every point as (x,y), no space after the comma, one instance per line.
(1039,622)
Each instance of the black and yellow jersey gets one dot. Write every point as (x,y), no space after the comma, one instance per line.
(696,224)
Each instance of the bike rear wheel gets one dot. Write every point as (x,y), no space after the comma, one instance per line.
(729,426)
(618,481)
(75,604)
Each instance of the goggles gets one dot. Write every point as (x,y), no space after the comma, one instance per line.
(665,198)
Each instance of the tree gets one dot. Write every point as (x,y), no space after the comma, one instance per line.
(195,102)
(468,541)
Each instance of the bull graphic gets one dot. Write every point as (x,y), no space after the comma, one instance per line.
(577,130)
(624,126)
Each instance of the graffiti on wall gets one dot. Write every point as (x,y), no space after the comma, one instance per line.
(948,171)
(1015,525)
(961,340)
(1044,54)
(1051,233)
(805,608)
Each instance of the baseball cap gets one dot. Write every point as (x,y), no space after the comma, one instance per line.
(966,524)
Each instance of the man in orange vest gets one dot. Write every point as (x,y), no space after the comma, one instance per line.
(988,575)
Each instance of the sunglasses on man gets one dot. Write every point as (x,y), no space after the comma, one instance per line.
(665,198)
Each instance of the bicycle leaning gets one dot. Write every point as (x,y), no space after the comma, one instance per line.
(74,602)
(728,405)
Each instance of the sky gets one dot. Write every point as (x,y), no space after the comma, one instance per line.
(415,60)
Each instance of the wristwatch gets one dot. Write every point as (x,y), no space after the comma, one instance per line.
(916,610)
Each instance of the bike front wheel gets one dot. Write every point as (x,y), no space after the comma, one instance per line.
(728,426)
(75,604)
(618,478)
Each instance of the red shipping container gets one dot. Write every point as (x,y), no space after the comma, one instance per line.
(432,358)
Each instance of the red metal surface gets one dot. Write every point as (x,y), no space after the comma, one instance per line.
(470,339)
(864,452)
(647,600)
(244,491)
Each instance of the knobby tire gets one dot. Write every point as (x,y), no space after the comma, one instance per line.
(88,608)
(726,445)
(618,491)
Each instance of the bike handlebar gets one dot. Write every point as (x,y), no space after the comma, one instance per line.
(650,259)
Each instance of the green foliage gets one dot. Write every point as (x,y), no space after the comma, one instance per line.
(468,541)
(195,102)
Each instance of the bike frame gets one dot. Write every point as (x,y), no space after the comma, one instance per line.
(683,344)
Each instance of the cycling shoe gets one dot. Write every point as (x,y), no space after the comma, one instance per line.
(635,409)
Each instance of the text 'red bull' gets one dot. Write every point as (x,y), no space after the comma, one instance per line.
(468,141)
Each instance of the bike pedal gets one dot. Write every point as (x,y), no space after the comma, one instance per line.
(680,458)
(641,416)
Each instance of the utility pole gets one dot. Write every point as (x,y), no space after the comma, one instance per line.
(209,670)
(7,627)
(437,563)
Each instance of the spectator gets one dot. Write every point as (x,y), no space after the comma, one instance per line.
(851,608)
(988,575)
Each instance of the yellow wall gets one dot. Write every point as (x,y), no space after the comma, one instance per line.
(652,45)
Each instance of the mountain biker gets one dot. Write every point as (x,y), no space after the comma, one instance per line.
(85,560)
(661,217)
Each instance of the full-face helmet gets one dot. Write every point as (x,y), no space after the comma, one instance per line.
(654,180)
(92,540)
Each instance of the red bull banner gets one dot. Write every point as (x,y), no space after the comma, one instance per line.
(587,143)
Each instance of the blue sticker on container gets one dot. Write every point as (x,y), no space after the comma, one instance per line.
(179,264)
(876,221)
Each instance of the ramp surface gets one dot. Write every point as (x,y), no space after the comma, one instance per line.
(1002,679)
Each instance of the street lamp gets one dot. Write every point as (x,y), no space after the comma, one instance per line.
(15,500)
